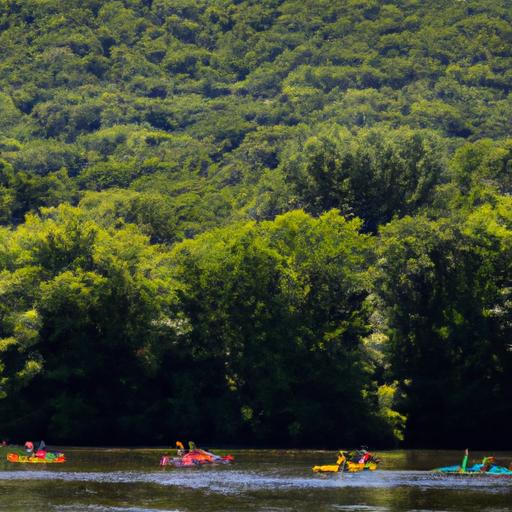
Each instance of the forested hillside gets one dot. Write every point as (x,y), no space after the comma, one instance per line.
(256,221)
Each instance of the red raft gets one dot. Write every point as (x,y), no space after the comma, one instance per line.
(195,458)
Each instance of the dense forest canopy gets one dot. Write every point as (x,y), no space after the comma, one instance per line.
(265,222)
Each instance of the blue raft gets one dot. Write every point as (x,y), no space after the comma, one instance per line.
(487,467)
(476,469)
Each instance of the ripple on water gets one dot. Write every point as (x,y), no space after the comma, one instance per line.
(236,481)
(360,508)
(99,508)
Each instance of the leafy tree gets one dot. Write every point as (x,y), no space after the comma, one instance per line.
(282,303)
(152,212)
(374,175)
(485,163)
(446,296)
(68,286)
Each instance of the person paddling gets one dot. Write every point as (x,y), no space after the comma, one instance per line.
(180,449)
(464,464)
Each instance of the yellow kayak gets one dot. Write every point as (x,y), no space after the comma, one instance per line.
(350,463)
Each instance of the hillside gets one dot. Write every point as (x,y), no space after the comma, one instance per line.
(221,219)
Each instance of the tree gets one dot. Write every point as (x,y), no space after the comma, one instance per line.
(445,289)
(374,175)
(276,314)
(81,305)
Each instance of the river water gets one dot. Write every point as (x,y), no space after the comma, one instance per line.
(121,480)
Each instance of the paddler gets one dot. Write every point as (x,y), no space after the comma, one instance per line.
(487,463)
(180,449)
(41,450)
(464,464)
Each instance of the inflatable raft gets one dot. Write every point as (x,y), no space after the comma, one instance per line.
(475,470)
(195,458)
(488,467)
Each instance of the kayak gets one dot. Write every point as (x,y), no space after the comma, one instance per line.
(20,456)
(49,458)
(350,467)
(350,462)
(195,458)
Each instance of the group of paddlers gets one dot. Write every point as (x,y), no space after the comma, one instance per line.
(347,461)
(29,448)
(361,460)
(39,452)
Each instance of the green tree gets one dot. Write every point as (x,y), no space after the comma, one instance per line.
(81,305)
(445,289)
(374,175)
(277,309)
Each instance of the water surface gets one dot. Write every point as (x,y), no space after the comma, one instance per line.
(121,480)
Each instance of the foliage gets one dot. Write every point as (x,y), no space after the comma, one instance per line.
(282,303)
(375,176)
(238,216)
(81,305)
(446,292)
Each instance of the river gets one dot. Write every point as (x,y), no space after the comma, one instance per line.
(122,480)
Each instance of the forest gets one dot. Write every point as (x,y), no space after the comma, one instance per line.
(256,222)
